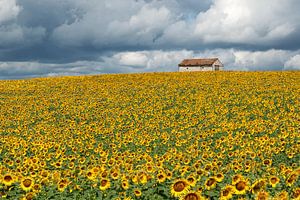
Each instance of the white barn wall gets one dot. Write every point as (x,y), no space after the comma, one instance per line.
(218,63)
(202,68)
(194,69)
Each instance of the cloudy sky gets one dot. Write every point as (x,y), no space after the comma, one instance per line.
(72,37)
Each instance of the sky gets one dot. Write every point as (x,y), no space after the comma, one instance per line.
(74,37)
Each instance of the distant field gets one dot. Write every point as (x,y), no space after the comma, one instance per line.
(191,136)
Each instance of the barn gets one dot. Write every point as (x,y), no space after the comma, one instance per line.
(206,64)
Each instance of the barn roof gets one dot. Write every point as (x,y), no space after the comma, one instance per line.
(198,62)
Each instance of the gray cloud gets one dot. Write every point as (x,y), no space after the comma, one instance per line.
(293,63)
(145,35)
(9,10)
(155,61)
(248,22)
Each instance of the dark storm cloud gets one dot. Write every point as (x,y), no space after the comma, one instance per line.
(145,35)
(47,14)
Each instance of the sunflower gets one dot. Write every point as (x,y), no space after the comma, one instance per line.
(258,186)
(267,162)
(27,183)
(262,195)
(210,183)
(62,184)
(298,171)
(296,193)
(169,175)
(3,195)
(61,187)
(91,175)
(104,174)
(71,165)
(33,174)
(135,179)
(196,166)
(241,187)
(81,160)
(137,192)
(143,178)
(8,179)
(191,196)
(207,167)
(44,174)
(191,180)
(125,184)
(227,192)
(179,187)
(247,168)
(114,174)
(36,187)
(274,180)
(104,184)
(236,178)
(219,177)
(56,176)
(161,177)
(291,179)
(199,189)
(29,196)
(58,164)
(283,195)
(44,181)
(159,165)
(149,168)
(200,172)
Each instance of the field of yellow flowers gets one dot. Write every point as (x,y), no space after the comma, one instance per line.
(187,136)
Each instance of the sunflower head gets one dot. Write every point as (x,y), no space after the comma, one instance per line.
(227,192)
(191,196)
(220,177)
(161,177)
(44,174)
(258,186)
(283,195)
(149,168)
(236,178)
(104,184)
(169,175)
(262,195)
(27,183)
(137,192)
(296,193)
(291,179)
(8,179)
(61,187)
(62,184)
(29,196)
(104,174)
(241,187)
(298,171)
(114,174)
(36,187)
(247,168)
(143,178)
(274,180)
(210,183)
(191,180)
(91,175)
(135,179)
(179,187)
(125,184)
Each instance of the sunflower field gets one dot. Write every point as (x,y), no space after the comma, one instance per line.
(186,136)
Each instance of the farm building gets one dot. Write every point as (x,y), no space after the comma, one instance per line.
(207,64)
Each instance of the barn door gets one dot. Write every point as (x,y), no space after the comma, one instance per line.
(217,67)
